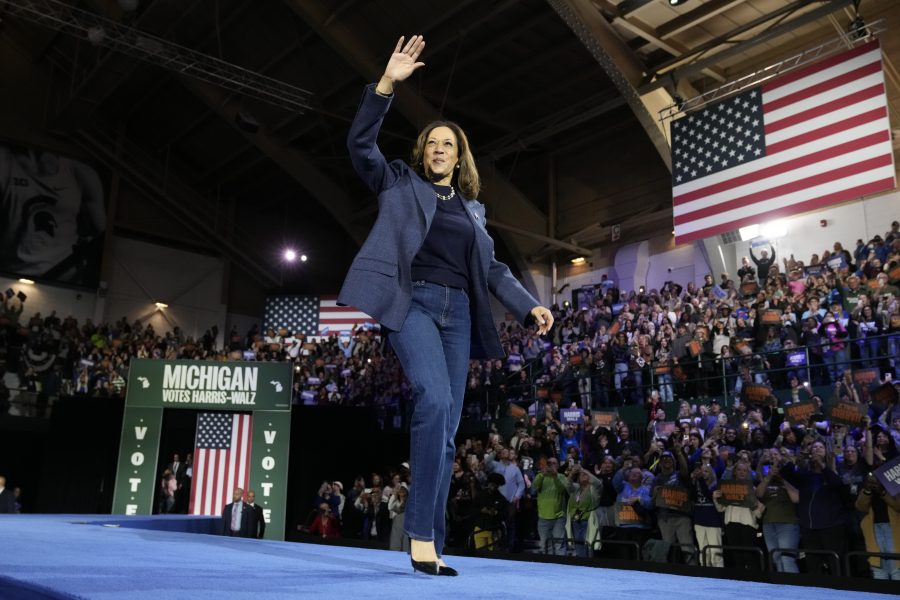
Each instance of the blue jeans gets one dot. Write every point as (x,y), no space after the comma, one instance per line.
(665,387)
(783,535)
(579,534)
(433,348)
(836,361)
(884,537)
(556,529)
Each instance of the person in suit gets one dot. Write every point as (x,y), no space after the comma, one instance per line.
(178,468)
(238,517)
(7,498)
(259,522)
(424,272)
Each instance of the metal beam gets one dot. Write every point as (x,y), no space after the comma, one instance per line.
(293,161)
(541,238)
(737,48)
(621,65)
(694,17)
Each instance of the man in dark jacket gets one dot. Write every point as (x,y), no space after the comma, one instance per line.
(763,264)
(238,517)
(823,507)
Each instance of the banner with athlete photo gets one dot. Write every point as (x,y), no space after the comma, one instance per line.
(52,218)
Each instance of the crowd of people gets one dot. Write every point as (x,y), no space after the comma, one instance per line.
(809,321)
(718,487)
(793,325)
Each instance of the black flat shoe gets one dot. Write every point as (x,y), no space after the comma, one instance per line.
(429,568)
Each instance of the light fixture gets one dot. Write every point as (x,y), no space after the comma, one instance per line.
(290,255)
(676,2)
(579,260)
(161,305)
(749,232)
(774,229)
(26,281)
(303,258)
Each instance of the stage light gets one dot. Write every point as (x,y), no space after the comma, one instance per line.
(579,260)
(161,305)
(289,255)
(26,281)
(749,232)
(676,2)
(774,229)
(303,258)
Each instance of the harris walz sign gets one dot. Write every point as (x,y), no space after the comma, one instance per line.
(209,385)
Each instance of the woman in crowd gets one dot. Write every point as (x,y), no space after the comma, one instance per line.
(741,522)
(424,273)
(781,526)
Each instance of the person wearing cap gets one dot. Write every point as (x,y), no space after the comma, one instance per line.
(674,523)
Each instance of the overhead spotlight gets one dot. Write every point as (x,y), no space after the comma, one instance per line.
(161,305)
(578,260)
(289,255)
(303,258)
(26,281)
(676,2)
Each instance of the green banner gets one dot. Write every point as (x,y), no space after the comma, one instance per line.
(261,388)
(136,474)
(269,467)
(210,385)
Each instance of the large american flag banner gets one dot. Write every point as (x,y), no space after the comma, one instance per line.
(812,137)
(221,460)
(312,315)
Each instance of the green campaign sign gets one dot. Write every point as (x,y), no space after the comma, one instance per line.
(261,388)
(269,467)
(209,385)
(136,474)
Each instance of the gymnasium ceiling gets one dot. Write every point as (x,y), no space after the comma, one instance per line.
(557,97)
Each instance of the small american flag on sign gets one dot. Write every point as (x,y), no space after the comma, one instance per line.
(312,315)
(221,460)
(816,136)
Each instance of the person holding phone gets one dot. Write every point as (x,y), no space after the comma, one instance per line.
(780,523)
(425,273)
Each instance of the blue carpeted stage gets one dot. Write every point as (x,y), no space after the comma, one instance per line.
(156,558)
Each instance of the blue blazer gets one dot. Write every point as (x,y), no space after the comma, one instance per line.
(379,282)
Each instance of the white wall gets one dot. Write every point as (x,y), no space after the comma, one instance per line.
(45,298)
(845,223)
(190,283)
(675,265)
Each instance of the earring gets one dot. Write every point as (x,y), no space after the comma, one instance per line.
(457,165)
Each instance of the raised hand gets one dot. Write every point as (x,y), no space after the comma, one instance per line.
(404,59)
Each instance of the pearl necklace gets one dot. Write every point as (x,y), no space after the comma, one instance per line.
(448,196)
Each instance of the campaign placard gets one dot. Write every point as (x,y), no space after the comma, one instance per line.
(848,413)
(737,493)
(799,413)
